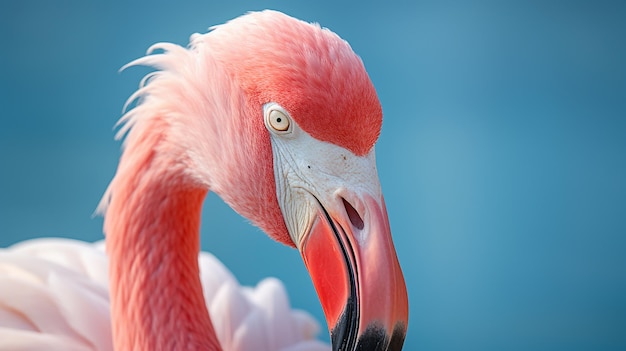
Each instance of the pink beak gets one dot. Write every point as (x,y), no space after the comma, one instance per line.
(353,264)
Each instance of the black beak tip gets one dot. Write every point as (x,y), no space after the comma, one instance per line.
(376,339)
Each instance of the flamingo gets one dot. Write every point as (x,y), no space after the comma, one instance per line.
(279,118)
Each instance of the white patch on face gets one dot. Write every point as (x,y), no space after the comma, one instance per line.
(306,169)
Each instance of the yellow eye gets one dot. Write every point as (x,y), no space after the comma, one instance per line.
(278,121)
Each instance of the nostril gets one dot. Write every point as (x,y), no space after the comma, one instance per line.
(354,216)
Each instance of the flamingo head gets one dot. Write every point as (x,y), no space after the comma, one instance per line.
(280,119)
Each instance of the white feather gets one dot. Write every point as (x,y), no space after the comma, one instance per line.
(54,296)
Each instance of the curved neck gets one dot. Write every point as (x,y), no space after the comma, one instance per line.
(152,227)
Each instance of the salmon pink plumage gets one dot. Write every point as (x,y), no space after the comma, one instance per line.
(279,118)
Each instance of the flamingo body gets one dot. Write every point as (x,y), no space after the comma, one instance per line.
(55,297)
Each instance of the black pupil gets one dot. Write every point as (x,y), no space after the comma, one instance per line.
(278,119)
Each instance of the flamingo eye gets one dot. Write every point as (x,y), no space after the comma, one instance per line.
(278,121)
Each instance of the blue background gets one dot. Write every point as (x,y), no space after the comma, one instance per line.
(502,155)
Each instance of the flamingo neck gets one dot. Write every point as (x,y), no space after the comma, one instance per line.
(152,227)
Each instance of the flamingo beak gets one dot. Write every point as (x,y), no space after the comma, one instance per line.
(352,261)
